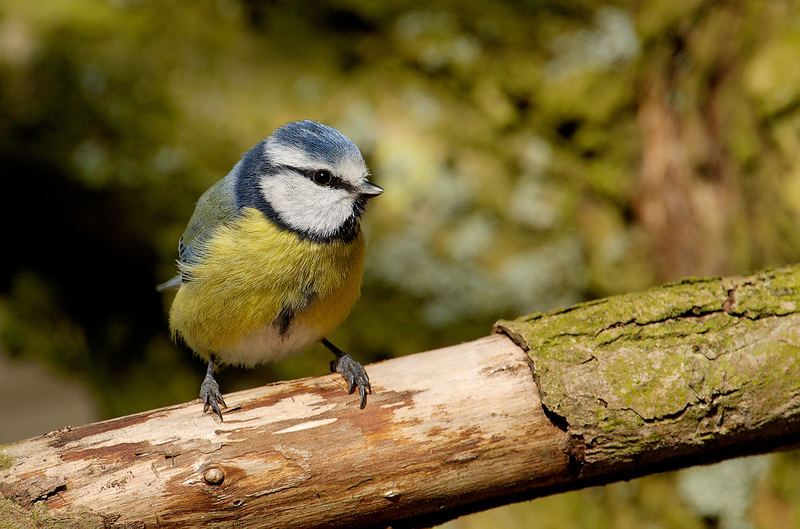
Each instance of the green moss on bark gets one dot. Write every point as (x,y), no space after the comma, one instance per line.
(14,516)
(5,459)
(689,363)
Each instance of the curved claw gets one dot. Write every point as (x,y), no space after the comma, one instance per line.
(355,375)
(363,391)
(212,397)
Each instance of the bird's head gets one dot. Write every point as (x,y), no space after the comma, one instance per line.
(309,178)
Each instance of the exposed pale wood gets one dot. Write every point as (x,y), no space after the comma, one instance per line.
(443,428)
(688,373)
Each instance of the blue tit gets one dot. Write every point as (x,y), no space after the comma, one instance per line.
(272,258)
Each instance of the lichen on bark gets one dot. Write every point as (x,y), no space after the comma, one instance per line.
(5,459)
(639,376)
(15,516)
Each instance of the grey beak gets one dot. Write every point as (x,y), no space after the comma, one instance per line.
(370,190)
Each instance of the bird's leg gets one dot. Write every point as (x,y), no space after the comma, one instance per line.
(209,391)
(354,373)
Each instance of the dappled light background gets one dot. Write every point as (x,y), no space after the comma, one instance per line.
(534,154)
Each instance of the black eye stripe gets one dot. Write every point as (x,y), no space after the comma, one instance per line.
(335,182)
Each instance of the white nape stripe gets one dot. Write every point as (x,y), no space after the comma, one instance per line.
(282,154)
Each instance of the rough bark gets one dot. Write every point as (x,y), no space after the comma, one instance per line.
(691,372)
(684,370)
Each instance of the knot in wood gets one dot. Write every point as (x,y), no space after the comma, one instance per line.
(214,476)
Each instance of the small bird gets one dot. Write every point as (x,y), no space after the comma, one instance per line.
(272,258)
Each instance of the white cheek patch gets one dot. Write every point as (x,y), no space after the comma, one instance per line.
(304,205)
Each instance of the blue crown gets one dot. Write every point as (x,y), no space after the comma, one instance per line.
(317,140)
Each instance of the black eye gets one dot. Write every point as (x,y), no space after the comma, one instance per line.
(321,177)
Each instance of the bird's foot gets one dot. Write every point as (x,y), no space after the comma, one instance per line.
(211,396)
(354,374)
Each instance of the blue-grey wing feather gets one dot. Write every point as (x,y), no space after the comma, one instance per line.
(216,207)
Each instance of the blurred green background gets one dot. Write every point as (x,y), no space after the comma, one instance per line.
(534,154)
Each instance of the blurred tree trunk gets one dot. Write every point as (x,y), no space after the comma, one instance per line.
(689,189)
(688,373)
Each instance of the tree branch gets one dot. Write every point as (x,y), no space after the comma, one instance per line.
(687,373)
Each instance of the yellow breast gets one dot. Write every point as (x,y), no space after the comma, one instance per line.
(249,271)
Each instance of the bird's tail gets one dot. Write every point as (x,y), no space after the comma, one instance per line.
(172,284)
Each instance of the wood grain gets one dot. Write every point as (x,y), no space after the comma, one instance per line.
(444,428)
(691,372)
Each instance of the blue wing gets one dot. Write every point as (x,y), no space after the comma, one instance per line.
(216,207)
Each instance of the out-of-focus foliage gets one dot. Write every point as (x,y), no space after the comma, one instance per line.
(534,154)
